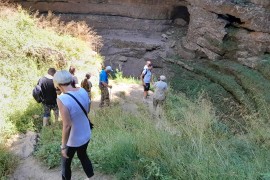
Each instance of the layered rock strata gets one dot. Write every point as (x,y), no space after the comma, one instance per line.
(229,29)
(217,29)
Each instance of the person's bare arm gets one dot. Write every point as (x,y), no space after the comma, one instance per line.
(66,126)
(142,78)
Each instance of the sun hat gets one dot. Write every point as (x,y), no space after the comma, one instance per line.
(62,77)
(162,78)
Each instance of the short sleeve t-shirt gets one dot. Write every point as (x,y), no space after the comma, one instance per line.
(160,89)
(89,83)
(147,75)
(103,77)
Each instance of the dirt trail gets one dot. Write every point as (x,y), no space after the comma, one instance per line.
(130,98)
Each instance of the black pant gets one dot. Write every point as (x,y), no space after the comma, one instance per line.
(82,155)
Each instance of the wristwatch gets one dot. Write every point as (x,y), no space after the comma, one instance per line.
(63,147)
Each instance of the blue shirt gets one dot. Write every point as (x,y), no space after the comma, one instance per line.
(103,77)
(147,75)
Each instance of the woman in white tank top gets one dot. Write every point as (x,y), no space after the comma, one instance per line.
(76,132)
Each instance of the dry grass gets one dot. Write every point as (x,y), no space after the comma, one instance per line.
(76,29)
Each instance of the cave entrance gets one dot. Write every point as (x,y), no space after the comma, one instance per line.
(180,12)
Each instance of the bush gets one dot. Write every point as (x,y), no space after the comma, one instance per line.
(8,162)
(48,149)
(29,46)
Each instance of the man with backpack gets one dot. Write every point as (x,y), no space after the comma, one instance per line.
(146,78)
(49,95)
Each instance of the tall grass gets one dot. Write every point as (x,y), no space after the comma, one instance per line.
(130,147)
(213,150)
(119,78)
(8,162)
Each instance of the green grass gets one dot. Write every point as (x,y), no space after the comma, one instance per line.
(8,162)
(130,147)
(119,78)
(219,154)
(234,89)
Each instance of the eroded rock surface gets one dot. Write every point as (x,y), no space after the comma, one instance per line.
(217,29)
(229,29)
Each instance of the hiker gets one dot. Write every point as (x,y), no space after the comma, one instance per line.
(146,78)
(159,94)
(104,85)
(75,82)
(86,84)
(48,96)
(74,105)
(148,62)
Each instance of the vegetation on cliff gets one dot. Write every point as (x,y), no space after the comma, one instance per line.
(29,46)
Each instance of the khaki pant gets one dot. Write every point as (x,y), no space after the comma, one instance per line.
(105,99)
(157,104)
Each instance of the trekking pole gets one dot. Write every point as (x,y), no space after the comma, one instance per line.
(110,93)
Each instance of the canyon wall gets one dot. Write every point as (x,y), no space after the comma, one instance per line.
(217,29)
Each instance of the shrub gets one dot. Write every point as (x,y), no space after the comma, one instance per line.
(29,46)
(8,162)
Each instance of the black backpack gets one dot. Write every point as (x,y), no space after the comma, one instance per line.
(37,93)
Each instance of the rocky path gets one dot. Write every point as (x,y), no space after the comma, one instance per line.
(30,168)
(130,98)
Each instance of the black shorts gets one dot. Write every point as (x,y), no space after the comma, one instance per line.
(146,86)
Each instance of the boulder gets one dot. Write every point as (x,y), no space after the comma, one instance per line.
(180,22)
(122,59)
(164,36)
(173,44)
(205,33)
(24,146)
(251,62)
(235,30)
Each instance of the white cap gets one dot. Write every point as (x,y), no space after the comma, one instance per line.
(62,77)
(108,68)
(162,78)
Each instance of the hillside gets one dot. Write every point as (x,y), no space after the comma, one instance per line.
(226,43)
(215,122)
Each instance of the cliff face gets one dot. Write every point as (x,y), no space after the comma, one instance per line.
(234,29)
(116,14)
(142,9)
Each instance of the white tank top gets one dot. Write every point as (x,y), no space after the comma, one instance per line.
(80,132)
